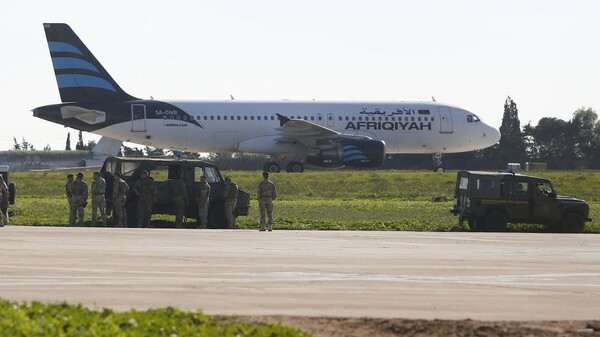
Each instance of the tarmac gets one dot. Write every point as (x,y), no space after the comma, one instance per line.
(483,276)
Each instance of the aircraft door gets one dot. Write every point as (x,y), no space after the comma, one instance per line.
(445,120)
(320,120)
(330,120)
(138,118)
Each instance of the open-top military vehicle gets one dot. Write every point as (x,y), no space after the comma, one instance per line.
(490,200)
(162,171)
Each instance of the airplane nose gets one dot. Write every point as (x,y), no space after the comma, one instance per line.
(491,135)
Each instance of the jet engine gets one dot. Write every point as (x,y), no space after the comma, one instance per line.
(361,153)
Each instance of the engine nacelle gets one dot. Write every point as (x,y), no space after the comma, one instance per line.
(352,153)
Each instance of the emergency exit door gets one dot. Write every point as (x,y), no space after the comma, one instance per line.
(445,120)
(138,118)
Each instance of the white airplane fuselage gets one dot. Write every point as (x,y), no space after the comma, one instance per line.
(251,126)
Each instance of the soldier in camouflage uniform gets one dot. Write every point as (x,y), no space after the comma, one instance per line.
(79,190)
(145,189)
(119,198)
(203,198)
(98,199)
(180,199)
(70,197)
(266,194)
(230,194)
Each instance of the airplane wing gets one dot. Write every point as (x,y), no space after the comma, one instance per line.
(309,134)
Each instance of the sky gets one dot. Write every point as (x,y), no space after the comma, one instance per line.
(470,53)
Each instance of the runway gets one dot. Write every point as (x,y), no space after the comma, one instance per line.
(486,276)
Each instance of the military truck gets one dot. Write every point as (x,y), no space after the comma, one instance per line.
(490,200)
(162,171)
(4,171)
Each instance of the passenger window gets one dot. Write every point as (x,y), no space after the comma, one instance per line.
(519,188)
(245,118)
(212,118)
(211,175)
(218,118)
(205,117)
(469,119)
(464,183)
(258,118)
(485,185)
(251,118)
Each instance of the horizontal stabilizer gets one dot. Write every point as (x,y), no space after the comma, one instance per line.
(84,115)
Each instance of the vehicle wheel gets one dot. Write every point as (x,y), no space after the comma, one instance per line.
(474,224)
(272,167)
(572,223)
(495,222)
(295,166)
(12,191)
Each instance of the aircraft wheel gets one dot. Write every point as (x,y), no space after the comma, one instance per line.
(272,167)
(295,166)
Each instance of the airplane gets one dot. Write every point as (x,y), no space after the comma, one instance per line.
(357,134)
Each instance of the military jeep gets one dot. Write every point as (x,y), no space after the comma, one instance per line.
(488,201)
(162,171)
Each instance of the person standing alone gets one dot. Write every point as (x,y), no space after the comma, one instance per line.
(266,194)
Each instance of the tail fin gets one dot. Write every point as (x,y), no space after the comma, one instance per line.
(79,75)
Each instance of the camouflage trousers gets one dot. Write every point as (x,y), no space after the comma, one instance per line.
(179,205)
(265,207)
(77,210)
(98,202)
(203,215)
(229,208)
(144,212)
(120,212)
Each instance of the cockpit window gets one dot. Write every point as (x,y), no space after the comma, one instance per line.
(473,118)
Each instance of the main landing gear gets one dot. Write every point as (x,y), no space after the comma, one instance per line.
(293,166)
(437,163)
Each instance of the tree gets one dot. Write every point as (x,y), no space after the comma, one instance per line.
(47,147)
(582,132)
(16,145)
(550,141)
(512,144)
(68,146)
(80,145)
(24,145)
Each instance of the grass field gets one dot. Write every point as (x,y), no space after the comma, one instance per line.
(37,319)
(334,200)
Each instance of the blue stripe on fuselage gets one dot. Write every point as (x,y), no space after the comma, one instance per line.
(77,80)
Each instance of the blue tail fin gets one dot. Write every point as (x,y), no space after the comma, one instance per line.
(79,75)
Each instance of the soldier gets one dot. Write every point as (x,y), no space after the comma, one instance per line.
(79,190)
(119,198)
(98,199)
(203,198)
(69,198)
(145,189)
(230,194)
(180,199)
(4,195)
(266,194)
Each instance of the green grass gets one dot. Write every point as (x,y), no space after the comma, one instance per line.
(37,319)
(332,200)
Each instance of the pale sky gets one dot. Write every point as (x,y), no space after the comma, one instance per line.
(470,53)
